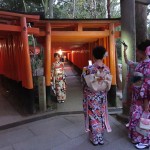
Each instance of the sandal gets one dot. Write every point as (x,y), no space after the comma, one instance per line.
(95,144)
(142,146)
(101,143)
(133,142)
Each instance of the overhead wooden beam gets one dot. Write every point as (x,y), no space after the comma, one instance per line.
(144,2)
(74,40)
(33,30)
(19,15)
(77,33)
(5,27)
(81,33)
(13,28)
(82,21)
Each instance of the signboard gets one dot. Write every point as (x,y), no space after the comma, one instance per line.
(42,93)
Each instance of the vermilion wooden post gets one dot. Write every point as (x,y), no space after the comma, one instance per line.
(26,67)
(15,59)
(28,83)
(3,58)
(15,46)
(112,92)
(0,58)
(105,45)
(112,53)
(47,67)
(82,59)
(108,49)
(19,59)
(7,60)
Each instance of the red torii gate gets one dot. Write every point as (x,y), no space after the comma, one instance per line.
(14,47)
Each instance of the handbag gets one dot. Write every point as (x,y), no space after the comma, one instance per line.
(142,131)
(144,122)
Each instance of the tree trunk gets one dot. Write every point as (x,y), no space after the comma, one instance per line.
(105,5)
(50,8)
(108,8)
(25,7)
(45,5)
(141,22)
(95,5)
(74,8)
(129,36)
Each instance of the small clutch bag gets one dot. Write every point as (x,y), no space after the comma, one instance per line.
(144,123)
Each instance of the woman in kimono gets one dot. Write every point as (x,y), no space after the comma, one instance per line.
(58,79)
(131,65)
(95,103)
(141,98)
(127,91)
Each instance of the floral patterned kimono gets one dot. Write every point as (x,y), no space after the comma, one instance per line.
(140,92)
(95,107)
(59,80)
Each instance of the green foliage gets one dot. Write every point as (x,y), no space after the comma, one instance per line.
(12,5)
(65,8)
(115,9)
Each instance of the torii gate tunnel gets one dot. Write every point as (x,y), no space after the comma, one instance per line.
(75,37)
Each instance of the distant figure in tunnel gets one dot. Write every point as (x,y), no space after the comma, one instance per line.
(95,101)
(58,79)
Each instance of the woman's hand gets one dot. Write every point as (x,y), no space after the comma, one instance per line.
(125,48)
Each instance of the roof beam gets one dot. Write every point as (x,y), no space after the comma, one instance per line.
(77,33)
(73,40)
(81,33)
(5,27)
(19,15)
(13,28)
(33,30)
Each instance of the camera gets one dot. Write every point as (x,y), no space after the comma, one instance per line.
(124,44)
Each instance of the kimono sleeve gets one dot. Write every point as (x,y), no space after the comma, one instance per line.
(84,70)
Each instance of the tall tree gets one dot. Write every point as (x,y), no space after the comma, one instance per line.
(63,8)
(74,9)
(108,8)
(24,4)
(51,8)
(128,35)
(141,22)
(45,6)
